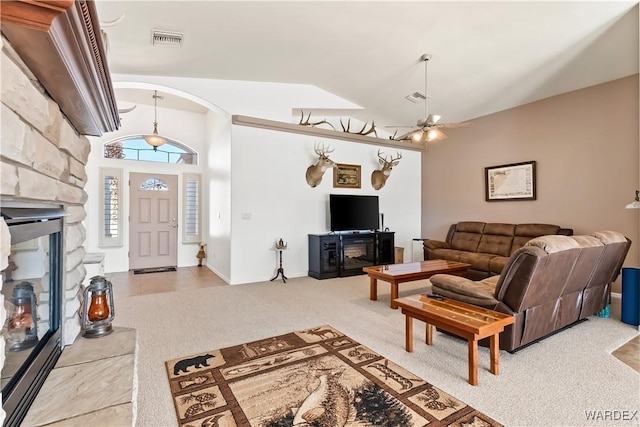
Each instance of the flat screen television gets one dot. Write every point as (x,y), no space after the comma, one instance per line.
(349,212)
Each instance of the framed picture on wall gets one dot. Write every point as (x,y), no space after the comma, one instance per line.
(346,176)
(516,181)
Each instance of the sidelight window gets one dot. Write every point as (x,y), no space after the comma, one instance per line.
(111,205)
(191,204)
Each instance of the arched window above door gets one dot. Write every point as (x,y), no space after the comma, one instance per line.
(134,147)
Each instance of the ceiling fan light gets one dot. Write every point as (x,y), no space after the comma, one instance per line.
(416,136)
(432,135)
(438,135)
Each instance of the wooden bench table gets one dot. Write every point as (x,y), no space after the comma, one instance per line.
(464,320)
(409,272)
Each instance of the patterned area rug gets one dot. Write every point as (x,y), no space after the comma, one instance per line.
(316,377)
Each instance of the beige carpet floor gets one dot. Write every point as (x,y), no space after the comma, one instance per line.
(560,381)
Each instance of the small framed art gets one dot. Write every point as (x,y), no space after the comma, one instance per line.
(346,176)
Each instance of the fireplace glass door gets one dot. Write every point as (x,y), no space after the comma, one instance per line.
(31,291)
(357,252)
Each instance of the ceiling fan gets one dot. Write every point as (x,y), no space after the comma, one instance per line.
(428,127)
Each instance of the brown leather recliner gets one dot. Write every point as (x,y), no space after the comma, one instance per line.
(547,285)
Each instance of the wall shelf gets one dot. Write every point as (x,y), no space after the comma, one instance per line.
(322,133)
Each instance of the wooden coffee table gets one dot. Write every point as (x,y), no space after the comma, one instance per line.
(461,319)
(409,272)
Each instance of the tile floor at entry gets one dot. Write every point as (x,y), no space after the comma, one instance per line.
(128,284)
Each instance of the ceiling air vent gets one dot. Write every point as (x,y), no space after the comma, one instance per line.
(166,38)
(415,97)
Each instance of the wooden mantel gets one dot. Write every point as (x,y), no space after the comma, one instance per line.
(60,42)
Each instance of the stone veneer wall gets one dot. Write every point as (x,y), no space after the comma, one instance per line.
(42,159)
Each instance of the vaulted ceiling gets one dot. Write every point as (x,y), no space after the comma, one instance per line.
(486,56)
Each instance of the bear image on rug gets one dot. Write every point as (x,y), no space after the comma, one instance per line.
(197,362)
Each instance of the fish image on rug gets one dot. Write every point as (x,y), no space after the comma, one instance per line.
(193,381)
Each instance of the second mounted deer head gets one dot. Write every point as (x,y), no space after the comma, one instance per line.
(379,177)
(315,172)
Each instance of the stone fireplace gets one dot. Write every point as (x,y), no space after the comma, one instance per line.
(55,90)
(42,160)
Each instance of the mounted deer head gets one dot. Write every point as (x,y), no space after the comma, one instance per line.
(315,172)
(379,177)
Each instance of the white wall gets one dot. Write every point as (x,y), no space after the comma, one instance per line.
(217,199)
(269,186)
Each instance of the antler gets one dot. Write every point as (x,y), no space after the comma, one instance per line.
(362,131)
(372,129)
(322,150)
(396,158)
(384,159)
(406,137)
(306,122)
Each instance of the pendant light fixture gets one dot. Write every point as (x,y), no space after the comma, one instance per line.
(154,139)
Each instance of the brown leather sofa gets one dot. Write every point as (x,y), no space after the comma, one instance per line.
(550,283)
(486,246)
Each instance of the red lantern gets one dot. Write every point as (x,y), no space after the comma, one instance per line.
(97,310)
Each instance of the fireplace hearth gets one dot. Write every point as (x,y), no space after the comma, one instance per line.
(32,288)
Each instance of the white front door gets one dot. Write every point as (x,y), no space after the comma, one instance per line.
(153,225)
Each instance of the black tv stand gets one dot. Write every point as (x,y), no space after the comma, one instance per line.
(341,255)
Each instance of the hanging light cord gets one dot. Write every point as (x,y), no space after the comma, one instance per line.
(155,112)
